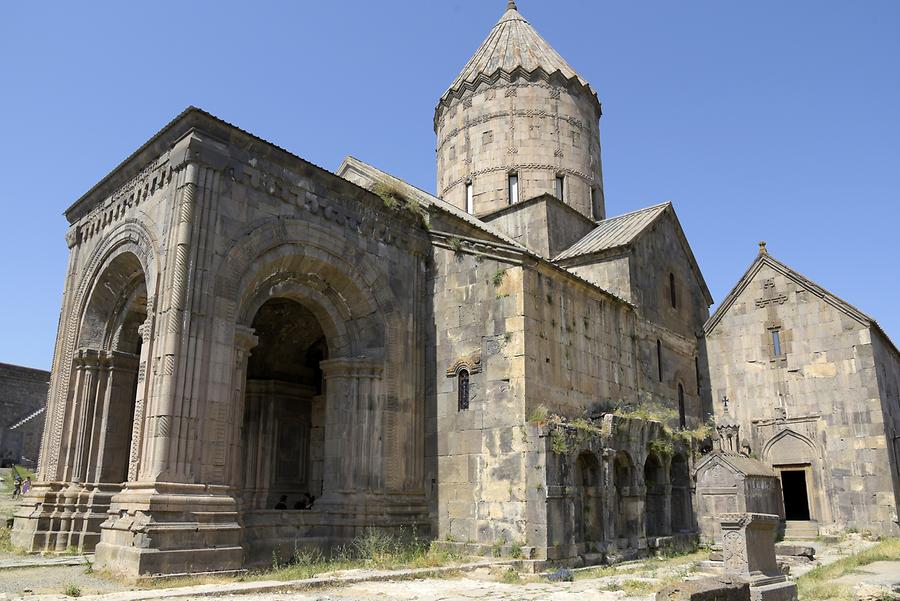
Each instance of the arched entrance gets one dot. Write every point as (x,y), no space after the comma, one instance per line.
(796,461)
(588,510)
(107,378)
(655,483)
(628,518)
(284,409)
(680,479)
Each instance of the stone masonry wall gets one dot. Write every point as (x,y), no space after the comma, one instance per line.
(479,469)
(817,404)
(579,346)
(23,390)
(531,128)
(887,366)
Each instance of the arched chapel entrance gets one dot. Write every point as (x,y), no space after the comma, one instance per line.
(284,409)
(102,433)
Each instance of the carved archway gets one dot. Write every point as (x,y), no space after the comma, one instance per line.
(130,237)
(790,447)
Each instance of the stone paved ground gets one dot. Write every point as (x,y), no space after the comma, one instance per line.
(482,584)
(463,589)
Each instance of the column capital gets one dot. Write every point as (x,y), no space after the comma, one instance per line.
(352,367)
(244,338)
(87,357)
(120,360)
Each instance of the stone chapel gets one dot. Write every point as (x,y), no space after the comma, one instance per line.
(255,354)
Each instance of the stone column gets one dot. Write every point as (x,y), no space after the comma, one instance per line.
(607,474)
(167,427)
(90,384)
(352,387)
(244,342)
(145,331)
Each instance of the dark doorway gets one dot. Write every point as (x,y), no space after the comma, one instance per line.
(796,500)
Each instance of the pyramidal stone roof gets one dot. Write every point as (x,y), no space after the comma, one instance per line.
(514,45)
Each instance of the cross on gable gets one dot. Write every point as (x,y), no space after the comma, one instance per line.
(770,295)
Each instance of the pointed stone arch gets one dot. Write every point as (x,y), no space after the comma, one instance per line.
(790,447)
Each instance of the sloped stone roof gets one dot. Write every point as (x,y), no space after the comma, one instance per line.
(614,232)
(739,463)
(513,45)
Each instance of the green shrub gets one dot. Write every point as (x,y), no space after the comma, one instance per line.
(72,590)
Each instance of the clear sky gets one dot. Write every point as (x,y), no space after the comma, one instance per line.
(763,119)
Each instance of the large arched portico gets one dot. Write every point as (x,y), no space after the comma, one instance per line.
(101,433)
(313,354)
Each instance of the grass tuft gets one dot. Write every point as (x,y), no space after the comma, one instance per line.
(817,585)
(72,590)
(374,549)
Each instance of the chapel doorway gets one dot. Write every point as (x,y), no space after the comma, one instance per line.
(795,494)
(284,410)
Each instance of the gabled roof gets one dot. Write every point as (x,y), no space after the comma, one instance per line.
(614,232)
(514,45)
(623,231)
(427,200)
(738,463)
(424,198)
(764,259)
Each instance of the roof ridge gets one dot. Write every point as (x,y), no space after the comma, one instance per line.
(634,212)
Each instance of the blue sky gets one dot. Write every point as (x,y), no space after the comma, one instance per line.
(766,120)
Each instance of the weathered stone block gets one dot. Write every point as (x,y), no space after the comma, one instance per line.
(706,589)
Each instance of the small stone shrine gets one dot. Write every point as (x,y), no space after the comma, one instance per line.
(729,481)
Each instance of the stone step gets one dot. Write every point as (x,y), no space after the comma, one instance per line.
(801,529)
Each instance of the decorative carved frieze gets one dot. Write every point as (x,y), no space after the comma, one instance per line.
(131,194)
(330,209)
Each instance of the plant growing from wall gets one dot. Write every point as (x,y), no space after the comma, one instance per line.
(456,244)
(498,278)
(394,198)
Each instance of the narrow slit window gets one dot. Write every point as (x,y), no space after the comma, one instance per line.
(672,297)
(595,205)
(513,188)
(463,389)
(776,342)
(697,373)
(682,418)
(470,199)
(560,186)
(659,359)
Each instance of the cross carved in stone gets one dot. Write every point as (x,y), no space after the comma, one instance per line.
(770,295)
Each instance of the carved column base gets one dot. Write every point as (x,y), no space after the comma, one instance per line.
(58,517)
(166,528)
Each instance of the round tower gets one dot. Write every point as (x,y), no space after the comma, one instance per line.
(518,122)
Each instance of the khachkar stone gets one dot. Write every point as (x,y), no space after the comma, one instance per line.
(748,551)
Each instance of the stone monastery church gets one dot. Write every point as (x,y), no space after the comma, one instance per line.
(256,354)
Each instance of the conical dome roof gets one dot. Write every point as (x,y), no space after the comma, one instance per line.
(513,44)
